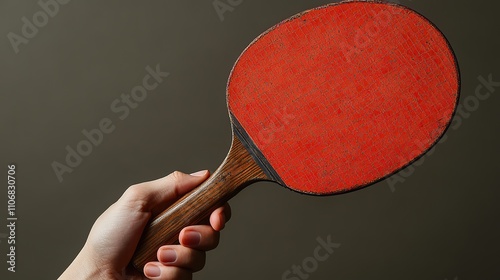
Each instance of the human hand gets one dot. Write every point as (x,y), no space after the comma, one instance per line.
(116,233)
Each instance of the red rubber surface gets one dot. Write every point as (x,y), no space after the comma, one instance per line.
(344,95)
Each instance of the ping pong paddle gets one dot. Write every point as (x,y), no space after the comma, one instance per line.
(328,101)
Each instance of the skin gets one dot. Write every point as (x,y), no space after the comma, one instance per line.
(116,233)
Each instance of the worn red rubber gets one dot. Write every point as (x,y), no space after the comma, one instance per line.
(354,91)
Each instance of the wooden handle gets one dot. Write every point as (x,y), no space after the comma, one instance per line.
(238,170)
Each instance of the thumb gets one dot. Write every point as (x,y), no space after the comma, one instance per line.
(124,222)
(154,196)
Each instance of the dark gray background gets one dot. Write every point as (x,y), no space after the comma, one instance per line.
(441,223)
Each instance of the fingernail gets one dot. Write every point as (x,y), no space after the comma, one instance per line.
(152,270)
(168,256)
(192,238)
(199,173)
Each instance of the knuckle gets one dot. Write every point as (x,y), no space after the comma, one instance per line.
(200,262)
(216,239)
(227,211)
(135,198)
(177,176)
(178,273)
(133,192)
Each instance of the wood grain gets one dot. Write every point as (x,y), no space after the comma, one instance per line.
(237,171)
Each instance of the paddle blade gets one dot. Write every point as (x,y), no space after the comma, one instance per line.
(341,96)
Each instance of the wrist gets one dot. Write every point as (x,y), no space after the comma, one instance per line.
(84,267)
